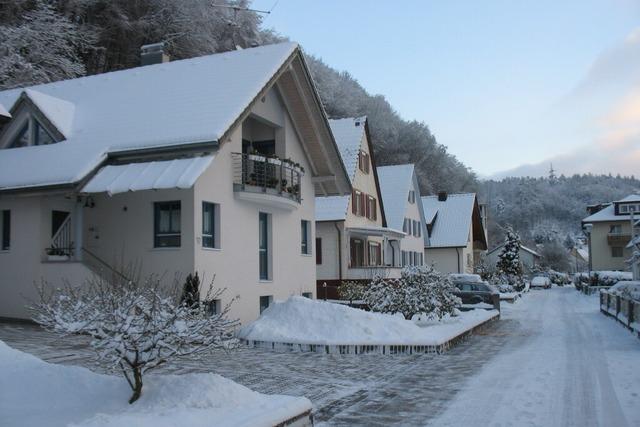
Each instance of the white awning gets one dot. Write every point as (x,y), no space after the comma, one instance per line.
(160,175)
(377,231)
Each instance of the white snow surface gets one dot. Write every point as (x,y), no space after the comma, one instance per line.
(37,393)
(179,102)
(395,183)
(332,208)
(453,220)
(349,135)
(304,321)
(566,364)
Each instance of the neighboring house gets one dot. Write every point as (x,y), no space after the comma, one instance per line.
(170,167)
(608,228)
(455,230)
(403,211)
(528,257)
(353,241)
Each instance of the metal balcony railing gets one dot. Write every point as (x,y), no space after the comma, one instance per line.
(261,174)
(618,238)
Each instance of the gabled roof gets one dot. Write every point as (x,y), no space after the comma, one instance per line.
(453,221)
(332,208)
(395,183)
(348,134)
(192,102)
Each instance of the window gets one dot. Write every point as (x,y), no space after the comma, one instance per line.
(624,208)
(375,253)
(412,197)
(265,302)
(357,203)
(371,208)
(308,295)
(617,251)
(41,135)
(615,229)
(357,252)
(421,258)
(5,230)
(363,161)
(22,138)
(318,251)
(418,228)
(415,228)
(264,244)
(167,224)
(210,225)
(406,226)
(305,233)
(213,307)
(404,258)
(32,133)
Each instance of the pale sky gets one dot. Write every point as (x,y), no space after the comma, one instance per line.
(505,85)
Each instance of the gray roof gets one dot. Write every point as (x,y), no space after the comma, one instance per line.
(453,222)
(348,134)
(395,183)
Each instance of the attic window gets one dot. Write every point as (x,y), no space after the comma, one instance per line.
(31,133)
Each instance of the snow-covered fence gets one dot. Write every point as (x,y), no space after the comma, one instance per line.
(624,310)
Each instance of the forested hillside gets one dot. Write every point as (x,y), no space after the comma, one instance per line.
(545,210)
(45,41)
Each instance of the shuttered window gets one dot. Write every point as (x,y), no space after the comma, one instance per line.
(5,230)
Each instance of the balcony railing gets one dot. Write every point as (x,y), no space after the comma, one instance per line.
(261,174)
(618,238)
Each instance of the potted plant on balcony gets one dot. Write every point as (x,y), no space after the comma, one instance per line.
(256,156)
(274,160)
(57,254)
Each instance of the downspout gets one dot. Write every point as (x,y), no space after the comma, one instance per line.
(335,224)
(458,252)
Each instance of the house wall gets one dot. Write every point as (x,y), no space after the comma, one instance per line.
(25,264)
(601,249)
(412,243)
(445,260)
(235,263)
(326,230)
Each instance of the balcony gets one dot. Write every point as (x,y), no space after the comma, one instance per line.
(266,180)
(618,239)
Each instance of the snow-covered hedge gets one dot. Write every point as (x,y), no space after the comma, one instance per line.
(601,278)
(626,289)
(419,290)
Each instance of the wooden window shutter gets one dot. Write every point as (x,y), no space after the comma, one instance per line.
(367,210)
(374,206)
(366,162)
(363,201)
(379,254)
(354,207)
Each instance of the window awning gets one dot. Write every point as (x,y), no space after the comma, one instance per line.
(377,231)
(157,175)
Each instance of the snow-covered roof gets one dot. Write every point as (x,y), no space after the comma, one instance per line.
(395,183)
(453,223)
(332,208)
(629,198)
(178,173)
(606,214)
(175,103)
(4,112)
(348,134)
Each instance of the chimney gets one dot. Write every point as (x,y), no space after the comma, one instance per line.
(153,54)
(442,196)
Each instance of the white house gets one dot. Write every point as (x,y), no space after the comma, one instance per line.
(403,210)
(210,164)
(353,241)
(456,232)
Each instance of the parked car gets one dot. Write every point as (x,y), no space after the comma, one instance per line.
(477,292)
(541,282)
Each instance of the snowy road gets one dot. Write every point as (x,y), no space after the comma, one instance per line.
(553,360)
(566,365)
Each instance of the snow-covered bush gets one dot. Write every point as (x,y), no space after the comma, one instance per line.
(351,291)
(135,325)
(418,290)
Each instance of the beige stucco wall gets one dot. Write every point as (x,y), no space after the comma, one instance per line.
(444,260)
(328,232)
(601,250)
(412,211)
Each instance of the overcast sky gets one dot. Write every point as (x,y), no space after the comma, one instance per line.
(508,86)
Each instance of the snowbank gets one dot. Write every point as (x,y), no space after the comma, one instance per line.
(37,393)
(304,321)
(626,288)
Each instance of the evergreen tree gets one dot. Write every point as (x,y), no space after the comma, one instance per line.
(509,261)
(191,290)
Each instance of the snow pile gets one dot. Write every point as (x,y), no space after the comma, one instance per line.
(540,281)
(627,289)
(36,393)
(304,321)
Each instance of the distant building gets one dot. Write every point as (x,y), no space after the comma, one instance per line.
(456,233)
(528,257)
(609,230)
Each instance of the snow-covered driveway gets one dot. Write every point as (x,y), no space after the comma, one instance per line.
(565,365)
(552,360)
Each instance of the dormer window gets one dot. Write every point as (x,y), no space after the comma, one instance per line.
(31,133)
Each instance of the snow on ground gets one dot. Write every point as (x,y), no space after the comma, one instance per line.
(626,287)
(304,321)
(569,366)
(37,393)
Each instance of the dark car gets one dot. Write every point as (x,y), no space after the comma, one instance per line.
(477,292)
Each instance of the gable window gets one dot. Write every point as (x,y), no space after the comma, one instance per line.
(264,245)
(412,197)
(318,251)
(375,253)
(363,161)
(167,218)
(305,233)
(357,252)
(210,225)
(22,138)
(31,133)
(5,230)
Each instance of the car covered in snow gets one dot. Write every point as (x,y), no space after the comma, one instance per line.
(474,291)
(541,282)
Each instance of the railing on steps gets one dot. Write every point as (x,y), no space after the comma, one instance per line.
(62,241)
(100,266)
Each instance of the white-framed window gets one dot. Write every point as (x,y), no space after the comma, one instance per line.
(213,307)
(357,203)
(624,208)
(31,132)
(375,253)
(363,161)
(615,229)
(404,259)
(412,196)
(617,251)
(167,228)
(357,252)
(265,302)
(5,230)
(210,225)
(305,237)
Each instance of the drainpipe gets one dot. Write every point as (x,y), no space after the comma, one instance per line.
(458,252)
(335,224)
